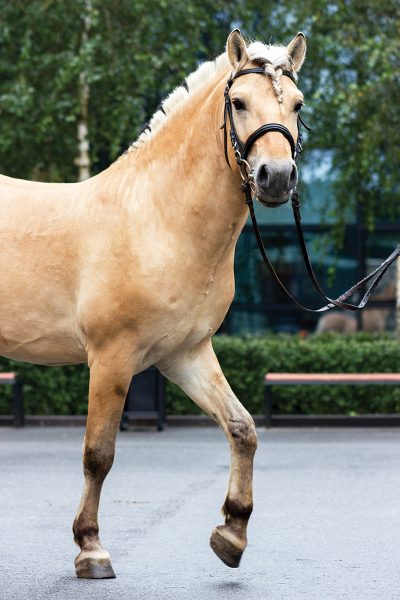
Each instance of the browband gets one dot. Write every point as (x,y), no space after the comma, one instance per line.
(259,70)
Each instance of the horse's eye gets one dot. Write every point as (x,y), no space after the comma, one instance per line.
(298,107)
(239,104)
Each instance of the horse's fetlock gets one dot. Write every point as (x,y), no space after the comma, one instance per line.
(84,531)
(235,508)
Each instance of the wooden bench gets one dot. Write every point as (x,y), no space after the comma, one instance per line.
(272,379)
(18,398)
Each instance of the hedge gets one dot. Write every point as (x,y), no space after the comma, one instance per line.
(244,360)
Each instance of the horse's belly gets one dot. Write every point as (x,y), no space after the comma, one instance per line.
(39,354)
(33,341)
(37,322)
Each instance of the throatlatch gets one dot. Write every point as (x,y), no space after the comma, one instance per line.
(248,187)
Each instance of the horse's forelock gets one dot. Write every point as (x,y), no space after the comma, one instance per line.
(276,55)
(273,59)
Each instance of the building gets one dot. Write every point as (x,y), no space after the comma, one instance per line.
(259,306)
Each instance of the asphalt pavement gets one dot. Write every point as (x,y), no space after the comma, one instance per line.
(326,521)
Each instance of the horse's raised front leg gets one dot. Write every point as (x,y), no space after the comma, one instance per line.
(110,376)
(199,375)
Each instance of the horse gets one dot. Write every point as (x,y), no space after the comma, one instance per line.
(134,266)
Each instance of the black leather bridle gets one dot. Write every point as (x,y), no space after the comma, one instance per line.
(248,187)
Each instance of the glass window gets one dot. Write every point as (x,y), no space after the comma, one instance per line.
(336,270)
(258,295)
(260,306)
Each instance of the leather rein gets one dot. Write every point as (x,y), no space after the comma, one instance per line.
(248,187)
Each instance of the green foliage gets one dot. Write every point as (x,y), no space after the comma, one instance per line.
(136,52)
(351,82)
(63,390)
(48,390)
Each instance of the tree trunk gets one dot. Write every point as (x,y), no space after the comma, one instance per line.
(83,159)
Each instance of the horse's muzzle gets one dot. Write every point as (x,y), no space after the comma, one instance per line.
(275,181)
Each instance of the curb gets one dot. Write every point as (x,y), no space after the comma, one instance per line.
(369,420)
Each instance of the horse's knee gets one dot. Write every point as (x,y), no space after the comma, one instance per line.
(243,433)
(97,462)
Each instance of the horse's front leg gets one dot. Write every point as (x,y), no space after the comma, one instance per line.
(198,373)
(110,376)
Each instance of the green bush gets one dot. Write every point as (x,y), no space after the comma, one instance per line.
(63,390)
(48,390)
(246,360)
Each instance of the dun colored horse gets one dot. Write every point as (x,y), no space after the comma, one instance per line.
(134,267)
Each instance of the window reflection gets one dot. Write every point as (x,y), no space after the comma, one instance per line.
(260,306)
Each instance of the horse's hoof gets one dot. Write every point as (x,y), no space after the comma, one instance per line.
(227,547)
(90,568)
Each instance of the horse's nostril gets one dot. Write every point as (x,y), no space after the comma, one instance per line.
(262,176)
(293,178)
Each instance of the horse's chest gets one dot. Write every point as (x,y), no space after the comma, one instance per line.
(160,305)
(183,316)
(198,309)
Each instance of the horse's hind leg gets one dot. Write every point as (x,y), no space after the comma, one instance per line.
(109,381)
(199,375)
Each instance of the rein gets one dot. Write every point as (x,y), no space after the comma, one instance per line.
(248,187)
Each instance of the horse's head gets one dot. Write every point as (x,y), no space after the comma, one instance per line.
(268,96)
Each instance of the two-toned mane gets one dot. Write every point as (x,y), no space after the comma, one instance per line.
(134,267)
(273,57)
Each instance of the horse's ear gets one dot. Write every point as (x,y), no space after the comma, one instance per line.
(236,50)
(297,51)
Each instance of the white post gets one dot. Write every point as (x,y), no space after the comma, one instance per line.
(83,159)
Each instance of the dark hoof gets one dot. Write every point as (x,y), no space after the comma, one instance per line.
(89,568)
(225,548)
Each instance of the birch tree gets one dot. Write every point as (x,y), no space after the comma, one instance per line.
(83,159)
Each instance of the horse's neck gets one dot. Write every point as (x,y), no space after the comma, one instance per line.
(181,179)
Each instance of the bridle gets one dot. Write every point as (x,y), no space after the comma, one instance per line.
(242,150)
(248,187)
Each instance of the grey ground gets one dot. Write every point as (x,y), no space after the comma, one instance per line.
(326,523)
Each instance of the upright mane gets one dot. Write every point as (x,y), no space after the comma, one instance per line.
(273,58)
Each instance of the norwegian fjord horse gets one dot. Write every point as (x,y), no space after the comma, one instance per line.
(134,267)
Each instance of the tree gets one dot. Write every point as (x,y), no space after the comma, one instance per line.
(130,56)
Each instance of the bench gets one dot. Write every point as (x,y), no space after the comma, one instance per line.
(272,379)
(18,398)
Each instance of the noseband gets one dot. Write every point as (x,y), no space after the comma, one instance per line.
(248,187)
